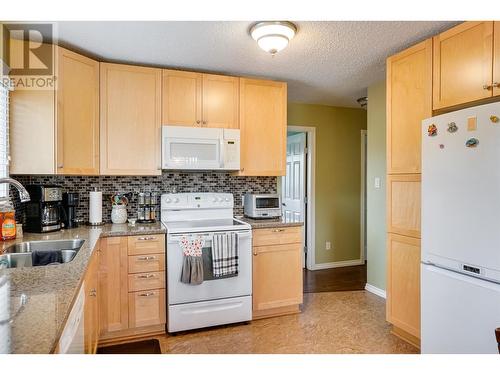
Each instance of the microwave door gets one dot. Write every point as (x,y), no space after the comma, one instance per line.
(190,153)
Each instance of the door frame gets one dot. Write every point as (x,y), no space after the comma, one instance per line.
(311,191)
(364,143)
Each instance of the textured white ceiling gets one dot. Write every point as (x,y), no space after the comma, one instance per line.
(326,63)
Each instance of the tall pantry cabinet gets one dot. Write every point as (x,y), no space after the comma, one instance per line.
(409,101)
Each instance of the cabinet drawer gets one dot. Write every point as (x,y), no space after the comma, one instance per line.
(277,236)
(146,263)
(146,281)
(146,308)
(146,244)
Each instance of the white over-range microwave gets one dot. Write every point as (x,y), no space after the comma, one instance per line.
(185,147)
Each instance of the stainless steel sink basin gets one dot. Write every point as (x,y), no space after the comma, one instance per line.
(40,253)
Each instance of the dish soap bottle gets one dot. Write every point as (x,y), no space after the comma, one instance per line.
(7,220)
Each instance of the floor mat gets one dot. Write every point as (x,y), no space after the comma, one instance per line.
(138,347)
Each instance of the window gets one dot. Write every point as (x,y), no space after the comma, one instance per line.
(4,138)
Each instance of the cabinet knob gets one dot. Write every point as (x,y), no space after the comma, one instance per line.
(487,87)
(60,165)
(205,122)
(93,292)
(255,254)
(148,294)
(198,122)
(496,84)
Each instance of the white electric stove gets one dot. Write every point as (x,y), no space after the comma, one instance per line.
(215,301)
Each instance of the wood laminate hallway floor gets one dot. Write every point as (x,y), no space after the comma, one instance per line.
(340,322)
(335,279)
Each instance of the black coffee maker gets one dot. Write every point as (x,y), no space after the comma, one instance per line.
(70,203)
(44,212)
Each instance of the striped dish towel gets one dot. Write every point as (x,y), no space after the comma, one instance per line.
(225,254)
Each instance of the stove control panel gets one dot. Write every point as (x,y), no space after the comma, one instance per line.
(196,200)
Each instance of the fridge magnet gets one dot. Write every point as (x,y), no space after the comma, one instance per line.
(432,130)
(471,142)
(471,123)
(494,119)
(452,127)
(441,146)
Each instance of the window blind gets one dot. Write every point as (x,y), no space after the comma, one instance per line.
(4,138)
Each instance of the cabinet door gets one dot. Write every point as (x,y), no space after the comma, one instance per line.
(403,283)
(220,101)
(130,120)
(263,127)
(146,308)
(409,101)
(182,96)
(77,121)
(496,58)
(113,285)
(404,204)
(463,64)
(274,284)
(31,127)
(91,321)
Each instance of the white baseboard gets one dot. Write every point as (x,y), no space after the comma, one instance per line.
(344,263)
(373,289)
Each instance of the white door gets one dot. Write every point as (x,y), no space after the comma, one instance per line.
(293,183)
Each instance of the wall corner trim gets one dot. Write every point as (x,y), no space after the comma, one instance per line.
(373,289)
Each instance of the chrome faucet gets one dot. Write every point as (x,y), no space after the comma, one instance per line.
(23,193)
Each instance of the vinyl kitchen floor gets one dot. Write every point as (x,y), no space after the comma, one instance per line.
(338,322)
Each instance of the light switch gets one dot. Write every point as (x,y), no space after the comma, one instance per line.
(377,183)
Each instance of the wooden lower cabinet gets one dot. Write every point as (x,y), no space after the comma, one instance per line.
(403,285)
(91,314)
(277,271)
(146,308)
(133,287)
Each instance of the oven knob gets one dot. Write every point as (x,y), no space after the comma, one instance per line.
(214,199)
(227,199)
(176,200)
(168,200)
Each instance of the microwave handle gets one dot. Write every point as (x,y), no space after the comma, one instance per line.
(221,152)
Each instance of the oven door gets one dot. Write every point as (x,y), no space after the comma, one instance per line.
(210,289)
(191,148)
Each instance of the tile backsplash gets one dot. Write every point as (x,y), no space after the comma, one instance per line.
(168,182)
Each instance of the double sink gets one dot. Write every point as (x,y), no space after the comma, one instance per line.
(40,253)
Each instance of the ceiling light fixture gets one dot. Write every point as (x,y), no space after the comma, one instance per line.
(273,36)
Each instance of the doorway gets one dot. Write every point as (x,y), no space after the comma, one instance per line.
(297,186)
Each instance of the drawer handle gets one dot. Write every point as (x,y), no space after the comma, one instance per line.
(148,294)
(487,87)
(278,230)
(146,238)
(147,258)
(149,276)
(93,292)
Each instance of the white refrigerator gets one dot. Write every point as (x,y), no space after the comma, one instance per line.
(460,279)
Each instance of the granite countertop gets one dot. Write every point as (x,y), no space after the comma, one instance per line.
(269,223)
(35,301)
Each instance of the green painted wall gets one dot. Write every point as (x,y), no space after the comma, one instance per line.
(338,176)
(376,167)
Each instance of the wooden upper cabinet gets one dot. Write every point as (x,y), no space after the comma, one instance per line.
(263,127)
(220,101)
(196,99)
(77,120)
(409,101)
(463,64)
(496,58)
(182,95)
(130,120)
(31,128)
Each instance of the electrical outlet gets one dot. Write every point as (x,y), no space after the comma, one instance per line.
(377,183)
(328,245)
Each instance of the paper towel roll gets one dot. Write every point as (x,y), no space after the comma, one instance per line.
(95,207)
